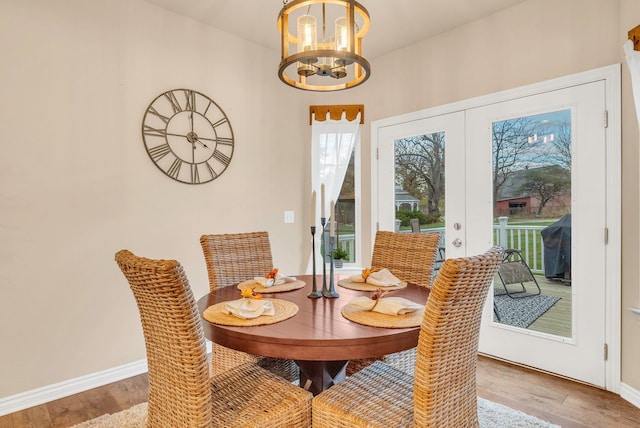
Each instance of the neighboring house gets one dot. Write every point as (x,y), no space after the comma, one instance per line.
(513,198)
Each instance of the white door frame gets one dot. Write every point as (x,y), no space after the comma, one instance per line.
(611,76)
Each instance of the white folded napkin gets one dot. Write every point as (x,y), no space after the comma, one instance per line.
(381,278)
(386,305)
(248,308)
(280,279)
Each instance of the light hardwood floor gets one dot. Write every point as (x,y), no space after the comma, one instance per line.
(557,400)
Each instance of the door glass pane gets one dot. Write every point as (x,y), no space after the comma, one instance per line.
(532,221)
(346,213)
(420,185)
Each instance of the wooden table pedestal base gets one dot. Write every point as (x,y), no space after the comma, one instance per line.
(316,376)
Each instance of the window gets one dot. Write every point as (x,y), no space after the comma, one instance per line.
(336,165)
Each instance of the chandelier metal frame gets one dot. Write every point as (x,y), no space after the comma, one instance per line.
(346,65)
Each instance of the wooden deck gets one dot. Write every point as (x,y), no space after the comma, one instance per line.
(557,320)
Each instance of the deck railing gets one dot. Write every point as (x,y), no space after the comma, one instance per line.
(527,239)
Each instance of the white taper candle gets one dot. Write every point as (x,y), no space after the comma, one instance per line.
(322,208)
(313,209)
(332,213)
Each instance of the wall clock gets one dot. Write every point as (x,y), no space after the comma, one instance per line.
(188,136)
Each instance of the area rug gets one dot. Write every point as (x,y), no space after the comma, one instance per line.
(522,312)
(491,415)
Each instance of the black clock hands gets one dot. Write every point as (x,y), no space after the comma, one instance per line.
(192,138)
(201,143)
(193,135)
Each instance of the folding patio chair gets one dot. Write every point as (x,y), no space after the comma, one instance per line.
(515,270)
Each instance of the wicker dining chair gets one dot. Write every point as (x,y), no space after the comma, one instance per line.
(410,257)
(442,393)
(230,259)
(181,391)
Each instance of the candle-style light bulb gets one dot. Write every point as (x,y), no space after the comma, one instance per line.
(307,33)
(342,34)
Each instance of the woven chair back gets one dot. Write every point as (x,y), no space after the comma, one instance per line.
(409,256)
(445,371)
(233,258)
(179,386)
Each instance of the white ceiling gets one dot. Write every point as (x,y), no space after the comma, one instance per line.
(394,23)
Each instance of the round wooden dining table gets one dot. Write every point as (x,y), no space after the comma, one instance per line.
(318,338)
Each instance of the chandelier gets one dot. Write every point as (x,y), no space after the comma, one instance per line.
(329,63)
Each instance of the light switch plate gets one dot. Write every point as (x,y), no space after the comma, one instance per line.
(288,216)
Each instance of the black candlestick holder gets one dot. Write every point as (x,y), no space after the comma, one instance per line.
(331,292)
(314,290)
(323,222)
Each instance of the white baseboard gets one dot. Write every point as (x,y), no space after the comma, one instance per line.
(630,394)
(35,397)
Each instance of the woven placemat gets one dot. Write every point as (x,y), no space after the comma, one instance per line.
(259,288)
(283,308)
(376,319)
(363,286)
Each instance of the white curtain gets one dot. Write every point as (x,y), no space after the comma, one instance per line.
(633,62)
(332,143)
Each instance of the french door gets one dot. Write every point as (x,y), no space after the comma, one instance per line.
(449,130)
(529,159)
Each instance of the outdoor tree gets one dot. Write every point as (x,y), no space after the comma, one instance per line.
(420,168)
(546,184)
(511,149)
(345,205)
(562,145)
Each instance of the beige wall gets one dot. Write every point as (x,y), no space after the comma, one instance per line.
(77,184)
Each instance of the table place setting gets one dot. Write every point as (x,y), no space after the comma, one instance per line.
(272,282)
(372,281)
(378,311)
(250,310)
(388,305)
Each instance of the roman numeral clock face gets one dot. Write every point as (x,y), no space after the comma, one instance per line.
(188,136)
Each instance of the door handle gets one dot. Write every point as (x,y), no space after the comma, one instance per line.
(457,242)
